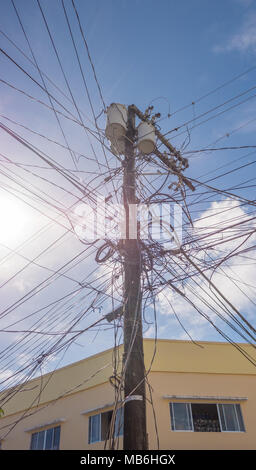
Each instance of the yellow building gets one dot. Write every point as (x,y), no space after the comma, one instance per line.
(204,397)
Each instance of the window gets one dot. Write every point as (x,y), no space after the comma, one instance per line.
(48,439)
(99,425)
(94,428)
(181,417)
(231,418)
(119,422)
(206,417)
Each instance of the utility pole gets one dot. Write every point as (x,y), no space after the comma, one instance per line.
(135,430)
(135,433)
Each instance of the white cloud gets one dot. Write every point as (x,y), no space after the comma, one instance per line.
(243,40)
(220,224)
(22,285)
(235,278)
(5,375)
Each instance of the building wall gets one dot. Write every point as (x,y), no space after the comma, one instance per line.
(74,430)
(180,368)
(204,385)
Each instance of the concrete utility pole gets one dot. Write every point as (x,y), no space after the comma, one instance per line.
(135,433)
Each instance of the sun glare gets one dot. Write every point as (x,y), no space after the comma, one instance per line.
(13,221)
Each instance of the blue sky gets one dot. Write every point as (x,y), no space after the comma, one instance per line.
(166,53)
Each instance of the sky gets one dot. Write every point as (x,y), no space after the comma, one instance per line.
(195,62)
